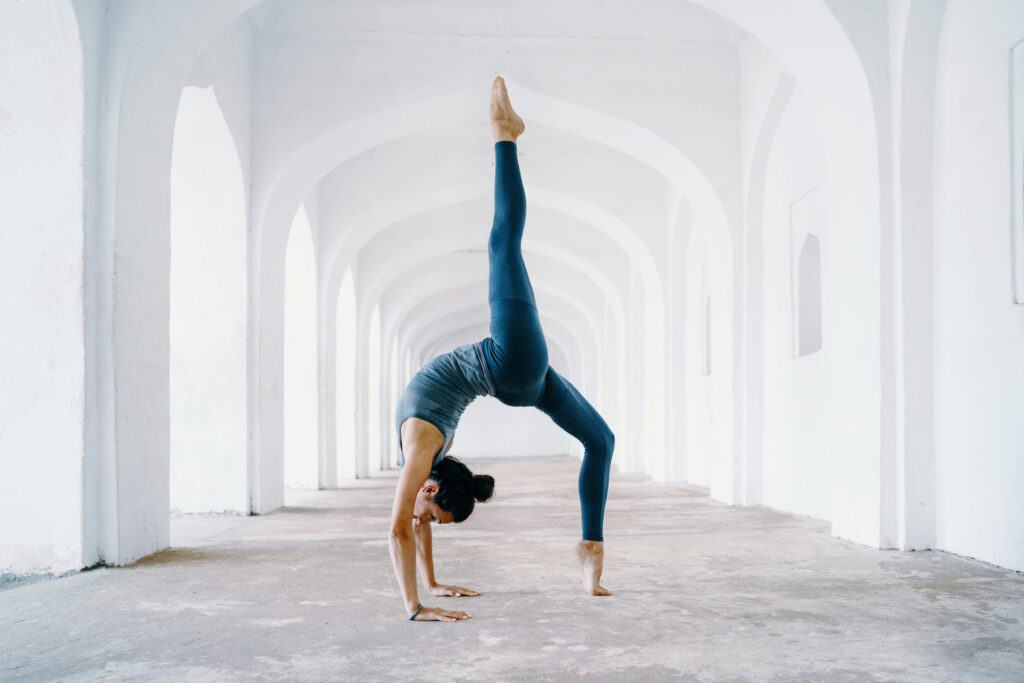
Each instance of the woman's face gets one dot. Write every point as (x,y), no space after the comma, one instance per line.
(426,510)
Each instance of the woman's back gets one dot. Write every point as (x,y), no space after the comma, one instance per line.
(442,389)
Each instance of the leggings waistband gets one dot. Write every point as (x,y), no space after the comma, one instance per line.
(478,347)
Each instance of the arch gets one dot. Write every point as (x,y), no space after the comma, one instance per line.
(377,278)
(752,412)
(208,312)
(336,145)
(651,375)
(465,291)
(402,300)
(710,448)
(147,76)
(127,379)
(345,419)
(393,389)
(301,462)
(374,423)
(826,66)
(431,326)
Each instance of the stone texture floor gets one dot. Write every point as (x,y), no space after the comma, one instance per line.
(702,592)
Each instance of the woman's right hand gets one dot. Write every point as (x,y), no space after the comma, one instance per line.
(438,614)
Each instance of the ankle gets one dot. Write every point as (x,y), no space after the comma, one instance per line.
(592,546)
(503,133)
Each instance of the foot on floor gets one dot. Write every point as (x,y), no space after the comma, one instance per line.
(591,557)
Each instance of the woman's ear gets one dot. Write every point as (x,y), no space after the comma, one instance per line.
(431,487)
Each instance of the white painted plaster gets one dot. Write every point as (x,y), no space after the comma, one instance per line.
(979,332)
(41,300)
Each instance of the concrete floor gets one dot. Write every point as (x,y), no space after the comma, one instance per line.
(702,592)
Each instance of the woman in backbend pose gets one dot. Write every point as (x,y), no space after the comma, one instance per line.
(511,365)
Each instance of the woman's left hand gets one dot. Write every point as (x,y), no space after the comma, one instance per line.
(442,591)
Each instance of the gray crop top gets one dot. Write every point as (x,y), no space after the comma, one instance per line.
(440,392)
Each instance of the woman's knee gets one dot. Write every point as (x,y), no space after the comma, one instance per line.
(503,244)
(602,443)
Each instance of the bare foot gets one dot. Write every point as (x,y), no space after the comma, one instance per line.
(505,122)
(591,557)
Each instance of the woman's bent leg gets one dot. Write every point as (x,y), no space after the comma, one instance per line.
(564,404)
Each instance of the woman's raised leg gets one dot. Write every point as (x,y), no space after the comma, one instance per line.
(508,279)
(517,353)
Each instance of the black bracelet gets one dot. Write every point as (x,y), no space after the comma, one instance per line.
(419,606)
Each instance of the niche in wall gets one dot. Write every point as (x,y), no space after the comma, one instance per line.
(808,310)
(1017,172)
(705,322)
(805,214)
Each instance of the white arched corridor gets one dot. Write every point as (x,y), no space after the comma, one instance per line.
(780,249)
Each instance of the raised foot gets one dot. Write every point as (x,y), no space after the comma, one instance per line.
(505,122)
(591,557)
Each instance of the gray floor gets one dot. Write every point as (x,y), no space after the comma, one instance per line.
(702,592)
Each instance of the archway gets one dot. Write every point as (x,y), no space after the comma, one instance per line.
(709,390)
(208,312)
(150,79)
(345,423)
(301,464)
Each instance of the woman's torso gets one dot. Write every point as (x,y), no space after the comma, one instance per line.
(442,389)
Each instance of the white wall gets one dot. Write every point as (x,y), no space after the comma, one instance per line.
(979,332)
(709,363)
(797,448)
(41,298)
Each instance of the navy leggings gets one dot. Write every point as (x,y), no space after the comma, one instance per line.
(517,354)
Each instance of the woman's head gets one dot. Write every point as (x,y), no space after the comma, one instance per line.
(451,492)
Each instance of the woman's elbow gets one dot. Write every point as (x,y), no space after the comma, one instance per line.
(400,533)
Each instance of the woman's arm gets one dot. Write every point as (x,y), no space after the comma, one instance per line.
(425,560)
(425,554)
(400,539)
(401,542)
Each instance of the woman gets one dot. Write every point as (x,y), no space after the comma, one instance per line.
(511,365)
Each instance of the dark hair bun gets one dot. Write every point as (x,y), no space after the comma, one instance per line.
(483,487)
